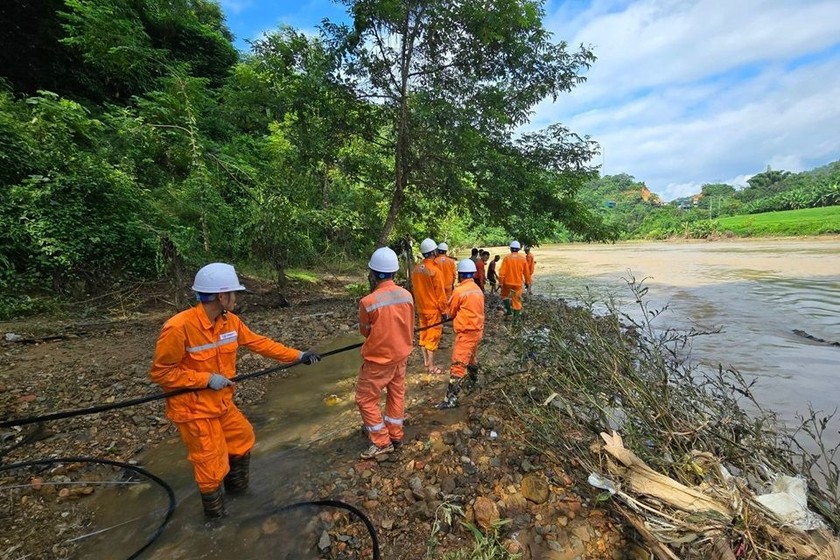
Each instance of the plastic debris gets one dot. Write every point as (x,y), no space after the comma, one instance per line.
(788,502)
(602,482)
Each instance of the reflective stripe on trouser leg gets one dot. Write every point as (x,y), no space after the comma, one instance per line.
(373,379)
(430,338)
(464,351)
(395,402)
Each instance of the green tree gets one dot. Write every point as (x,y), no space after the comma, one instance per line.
(449,75)
(717,189)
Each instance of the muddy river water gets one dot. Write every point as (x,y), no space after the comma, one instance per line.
(757,291)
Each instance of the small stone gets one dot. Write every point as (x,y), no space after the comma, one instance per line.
(270,526)
(387,524)
(535,488)
(486,512)
(324,542)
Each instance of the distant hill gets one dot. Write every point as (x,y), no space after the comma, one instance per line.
(629,206)
(621,200)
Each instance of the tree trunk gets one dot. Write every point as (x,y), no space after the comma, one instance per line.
(282,283)
(400,174)
(325,186)
(396,203)
(401,161)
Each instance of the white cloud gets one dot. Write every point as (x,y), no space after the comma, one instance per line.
(236,6)
(690,92)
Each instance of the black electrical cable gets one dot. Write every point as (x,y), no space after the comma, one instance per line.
(342,505)
(171,509)
(159,396)
(139,470)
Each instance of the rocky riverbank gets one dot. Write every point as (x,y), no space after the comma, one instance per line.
(471,469)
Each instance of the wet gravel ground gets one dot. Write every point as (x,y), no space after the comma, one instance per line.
(468,465)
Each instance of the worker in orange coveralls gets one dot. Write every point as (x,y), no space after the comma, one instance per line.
(430,299)
(446,264)
(386,320)
(467,310)
(197,350)
(480,264)
(492,276)
(529,258)
(513,273)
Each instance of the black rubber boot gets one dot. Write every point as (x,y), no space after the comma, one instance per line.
(236,480)
(451,399)
(214,504)
(472,373)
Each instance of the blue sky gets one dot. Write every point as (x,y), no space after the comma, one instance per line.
(684,92)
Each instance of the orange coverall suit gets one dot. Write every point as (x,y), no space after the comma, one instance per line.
(467,307)
(190,348)
(513,272)
(386,320)
(447,267)
(529,257)
(430,299)
(480,274)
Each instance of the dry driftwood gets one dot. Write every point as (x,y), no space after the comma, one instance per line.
(661,551)
(641,479)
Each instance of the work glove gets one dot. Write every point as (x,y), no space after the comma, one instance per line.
(309,357)
(217,381)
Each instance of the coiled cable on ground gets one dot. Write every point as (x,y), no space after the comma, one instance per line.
(133,468)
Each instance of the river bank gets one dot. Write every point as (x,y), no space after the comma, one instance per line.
(473,464)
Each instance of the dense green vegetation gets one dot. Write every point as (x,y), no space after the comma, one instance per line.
(626,205)
(136,142)
(809,221)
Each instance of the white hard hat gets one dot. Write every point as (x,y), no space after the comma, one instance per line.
(466,265)
(216,278)
(515,245)
(442,246)
(427,245)
(384,260)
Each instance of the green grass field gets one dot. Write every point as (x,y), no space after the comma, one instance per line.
(809,221)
